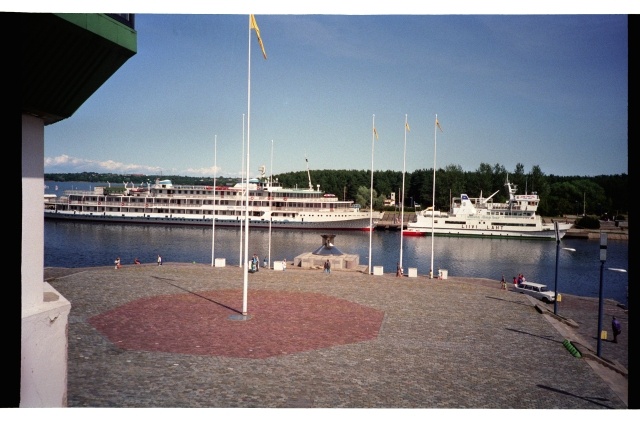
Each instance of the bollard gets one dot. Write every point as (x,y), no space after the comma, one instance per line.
(571,348)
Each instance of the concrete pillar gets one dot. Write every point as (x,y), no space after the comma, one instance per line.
(45,313)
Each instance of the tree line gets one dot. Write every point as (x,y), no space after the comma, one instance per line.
(602,196)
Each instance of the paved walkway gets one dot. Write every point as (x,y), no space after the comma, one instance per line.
(175,336)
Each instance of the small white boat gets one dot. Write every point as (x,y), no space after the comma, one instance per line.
(165,203)
(482,217)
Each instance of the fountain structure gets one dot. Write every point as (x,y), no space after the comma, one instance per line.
(328,250)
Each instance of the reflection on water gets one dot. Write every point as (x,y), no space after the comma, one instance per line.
(69,244)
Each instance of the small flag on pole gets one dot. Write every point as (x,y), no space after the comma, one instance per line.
(254,25)
(375,132)
(406,125)
(438,125)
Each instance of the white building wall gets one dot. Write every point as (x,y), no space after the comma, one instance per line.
(45,313)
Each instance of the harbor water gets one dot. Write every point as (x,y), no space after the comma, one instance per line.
(79,244)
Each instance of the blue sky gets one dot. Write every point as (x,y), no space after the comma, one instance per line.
(538,89)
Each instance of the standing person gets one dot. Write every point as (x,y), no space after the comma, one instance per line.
(284,264)
(398,270)
(328,266)
(264,263)
(117,262)
(503,283)
(254,263)
(617,329)
(159,260)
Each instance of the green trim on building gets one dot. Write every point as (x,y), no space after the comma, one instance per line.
(104,26)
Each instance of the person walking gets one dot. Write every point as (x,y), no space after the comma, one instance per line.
(617,329)
(159,260)
(503,283)
(284,264)
(398,270)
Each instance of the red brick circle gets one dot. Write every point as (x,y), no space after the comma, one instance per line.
(279,323)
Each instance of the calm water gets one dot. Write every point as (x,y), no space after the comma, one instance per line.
(71,244)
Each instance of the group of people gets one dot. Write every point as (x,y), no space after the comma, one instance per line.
(136,261)
(255,263)
(327,267)
(518,280)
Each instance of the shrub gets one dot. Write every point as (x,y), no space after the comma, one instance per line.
(588,222)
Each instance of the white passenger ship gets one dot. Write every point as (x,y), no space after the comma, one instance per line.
(270,205)
(482,217)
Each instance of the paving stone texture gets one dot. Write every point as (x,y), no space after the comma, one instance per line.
(175,336)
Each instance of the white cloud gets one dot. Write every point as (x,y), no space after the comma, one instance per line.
(70,164)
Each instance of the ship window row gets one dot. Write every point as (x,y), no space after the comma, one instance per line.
(195,212)
(132,200)
(273,195)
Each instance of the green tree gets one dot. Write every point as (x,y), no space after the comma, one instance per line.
(364,196)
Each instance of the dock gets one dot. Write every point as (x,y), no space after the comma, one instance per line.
(391,221)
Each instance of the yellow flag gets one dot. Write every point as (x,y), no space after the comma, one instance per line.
(438,125)
(406,125)
(375,132)
(254,25)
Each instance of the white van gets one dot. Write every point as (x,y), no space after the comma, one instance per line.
(539,291)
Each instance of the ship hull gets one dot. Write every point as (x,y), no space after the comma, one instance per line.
(360,224)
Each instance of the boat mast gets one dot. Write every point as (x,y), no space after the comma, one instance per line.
(308,173)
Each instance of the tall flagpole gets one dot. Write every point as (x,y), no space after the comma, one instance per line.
(270,194)
(213,212)
(433,196)
(241,185)
(404,161)
(252,25)
(246,197)
(371,193)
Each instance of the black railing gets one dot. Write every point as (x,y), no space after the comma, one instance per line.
(127,19)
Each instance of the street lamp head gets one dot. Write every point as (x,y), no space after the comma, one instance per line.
(570,249)
(617,269)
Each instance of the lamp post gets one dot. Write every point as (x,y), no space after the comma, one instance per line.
(555,299)
(603,258)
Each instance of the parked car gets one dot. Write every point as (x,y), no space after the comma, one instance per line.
(539,291)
